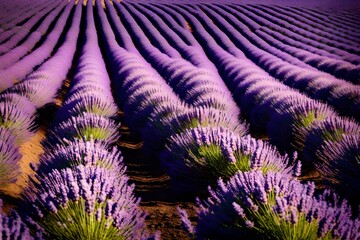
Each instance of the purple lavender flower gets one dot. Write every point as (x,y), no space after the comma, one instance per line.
(81,152)
(236,208)
(46,196)
(77,104)
(187,225)
(194,162)
(160,127)
(19,101)
(19,123)
(85,126)
(288,122)
(331,130)
(339,165)
(38,91)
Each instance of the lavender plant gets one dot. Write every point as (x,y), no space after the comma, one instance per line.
(80,152)
(84,203)
(331,130)
(198,156)
(19,101)
(161,126)
(288,122)
(252,205)
(86,126)
(339,165)
(18,122)
(80,103)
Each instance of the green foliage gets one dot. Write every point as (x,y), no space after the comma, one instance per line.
(212,158)
(97,133)
(72,222)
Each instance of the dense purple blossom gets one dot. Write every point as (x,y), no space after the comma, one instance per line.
(274,205)
(331,130)
(19,123)
(19,101)
(80,152)
(339,164)
(198,156)
(61,200)
(80,103)
(161,126)
(38,91)
(288,121)
(85,126)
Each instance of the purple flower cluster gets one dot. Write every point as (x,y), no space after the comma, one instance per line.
(165,123)
(288,121)
(331,130)
(12,227)
(18,121)
(198,156)
(87,152)
(86,125)
(102,191)
(339,164)
(258,206)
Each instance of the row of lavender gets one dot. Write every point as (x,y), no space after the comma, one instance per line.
(340,94)
(16,12)
(21,101)
(80,189)
(16,63)
(203,143)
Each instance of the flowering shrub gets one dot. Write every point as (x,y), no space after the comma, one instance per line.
(84,202)
(253,205)
(200,155)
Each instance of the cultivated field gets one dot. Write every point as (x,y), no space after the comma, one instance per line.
(179,119)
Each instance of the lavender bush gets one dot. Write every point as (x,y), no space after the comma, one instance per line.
(339,165)
(252,205)
(80,152)
(84,203)
(86,126)
(19,123)
(200,155)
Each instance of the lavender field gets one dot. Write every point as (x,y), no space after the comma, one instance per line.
(179,119)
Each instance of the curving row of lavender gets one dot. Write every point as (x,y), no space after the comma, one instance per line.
(193,81)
